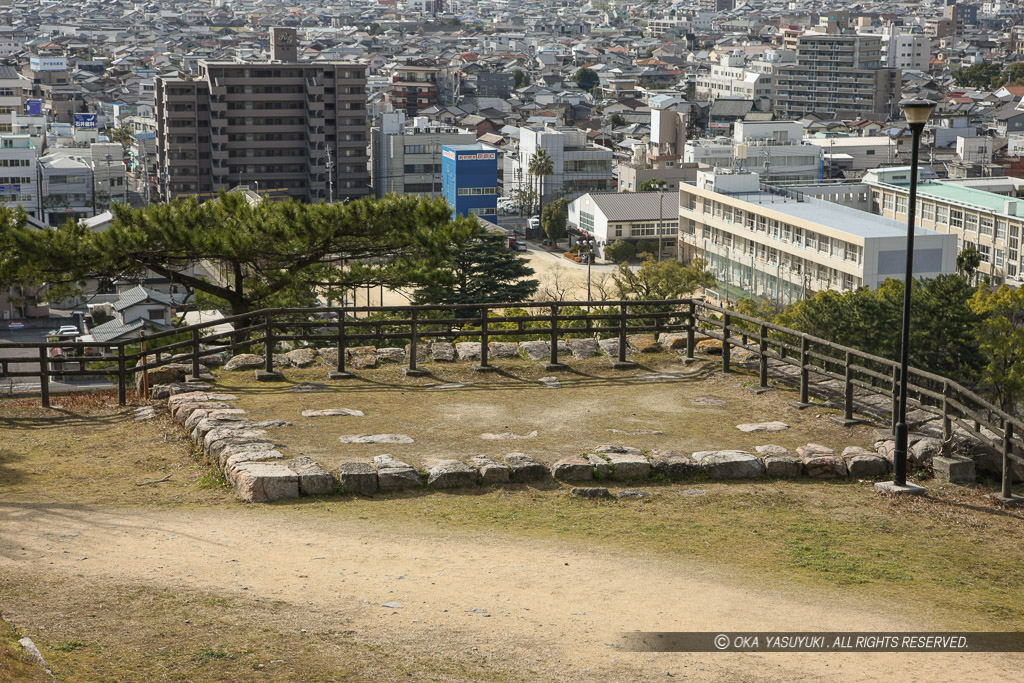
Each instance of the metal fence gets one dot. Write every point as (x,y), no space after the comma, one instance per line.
(843,369)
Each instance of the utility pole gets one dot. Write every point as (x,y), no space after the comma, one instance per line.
(330,177)
(661,215)
(110,183)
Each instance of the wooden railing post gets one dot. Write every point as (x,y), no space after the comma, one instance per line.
(484,367)
(44,376)
(726,351)
(122,376)
(195,354)
(1007,462)
(414,339)
(341,372)
(763,356)
(947,422)
(268,374)
(691,327)
(145,367)
(805,384)
(268,342)
(848,390)
(621,363)
(553,363)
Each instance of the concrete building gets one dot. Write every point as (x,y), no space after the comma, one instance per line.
(578,166)
(108,173)
(774,149)
(634,217)
(13,88)
(294,129)
(855,155)
(407,159)
(784,246)
(470,180)
(19,186)
(837,73)
(992,222)
(66,189)
(661,158)
(32,123)
(734,78)
(901,50)
(419,84)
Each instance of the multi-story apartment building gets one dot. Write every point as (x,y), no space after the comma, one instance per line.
(19,186)
(837,73)
(734,77)
(419,84)
(295,129)
(774,149)
(902,50)
(578,166)
(784,245)
(12,96)
(993,223)
(407,159)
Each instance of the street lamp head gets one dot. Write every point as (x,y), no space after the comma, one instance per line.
(917,111)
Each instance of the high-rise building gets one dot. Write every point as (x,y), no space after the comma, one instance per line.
(837,73)
(288,128)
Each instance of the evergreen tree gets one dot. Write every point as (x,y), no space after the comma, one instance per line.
(269,254)
(554,219)
(464,264)
(586,79)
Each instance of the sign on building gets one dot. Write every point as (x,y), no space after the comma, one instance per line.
(48,63)
(85,121)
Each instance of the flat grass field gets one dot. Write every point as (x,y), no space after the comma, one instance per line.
(177,580)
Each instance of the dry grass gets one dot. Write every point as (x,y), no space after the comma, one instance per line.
(594,399)
(15,664)
(953,553)
(89,450)
(107,631)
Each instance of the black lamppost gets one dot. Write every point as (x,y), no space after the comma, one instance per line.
(916,113)
(586,245)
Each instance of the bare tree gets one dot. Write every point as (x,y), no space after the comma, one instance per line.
(557,284)
(602,286)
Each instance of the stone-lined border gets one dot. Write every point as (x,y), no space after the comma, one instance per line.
(258,472)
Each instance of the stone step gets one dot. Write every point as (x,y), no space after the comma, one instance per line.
(263,482)
(314,480)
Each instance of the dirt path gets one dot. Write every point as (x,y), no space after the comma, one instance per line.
(542,609)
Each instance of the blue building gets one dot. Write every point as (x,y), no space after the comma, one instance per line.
(469,180)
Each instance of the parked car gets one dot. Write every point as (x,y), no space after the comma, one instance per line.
(64,331)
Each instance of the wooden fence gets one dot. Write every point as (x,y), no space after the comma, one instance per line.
(844,369)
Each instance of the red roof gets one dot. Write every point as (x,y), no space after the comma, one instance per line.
(1015,90)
